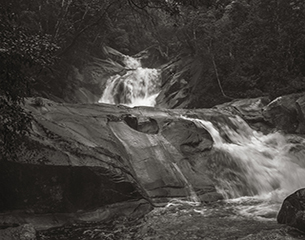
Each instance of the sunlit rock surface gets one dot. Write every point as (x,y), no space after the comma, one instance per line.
(143,151)
(83,156)
(292,211)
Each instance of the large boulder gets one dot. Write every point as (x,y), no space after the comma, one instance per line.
(287,113)
(292,211)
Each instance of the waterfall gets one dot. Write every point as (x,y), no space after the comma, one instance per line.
(246,164)
(254,164)
(137,87)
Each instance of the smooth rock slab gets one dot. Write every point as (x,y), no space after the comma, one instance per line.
(152,149)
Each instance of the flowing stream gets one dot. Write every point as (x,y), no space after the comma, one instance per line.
(256,171)
(265,163)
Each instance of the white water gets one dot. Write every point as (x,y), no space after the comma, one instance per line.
(138,87)
(256,171)
(265,161)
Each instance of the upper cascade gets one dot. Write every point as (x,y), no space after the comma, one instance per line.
(137,87)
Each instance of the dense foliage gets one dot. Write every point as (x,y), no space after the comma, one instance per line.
(22,55)
(242,49)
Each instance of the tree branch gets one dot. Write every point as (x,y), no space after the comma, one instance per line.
(217,74)
(84,30)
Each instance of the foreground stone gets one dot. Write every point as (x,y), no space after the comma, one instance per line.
(23,232)
(292,211)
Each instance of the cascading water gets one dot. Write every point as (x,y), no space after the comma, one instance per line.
(253,171)
(137,87)
(265,161)
(255,168)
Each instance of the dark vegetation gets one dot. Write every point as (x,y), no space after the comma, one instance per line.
(223,49)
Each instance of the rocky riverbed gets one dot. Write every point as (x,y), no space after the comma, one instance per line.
(180,220)
(83,162)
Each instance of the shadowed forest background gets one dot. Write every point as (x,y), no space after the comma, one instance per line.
(222,49)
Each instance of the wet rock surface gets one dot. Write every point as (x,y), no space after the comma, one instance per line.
(292,211)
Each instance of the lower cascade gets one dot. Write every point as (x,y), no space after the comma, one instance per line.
(255,170)
(137,87)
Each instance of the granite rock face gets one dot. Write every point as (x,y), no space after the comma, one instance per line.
(82,156)
(292,211)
